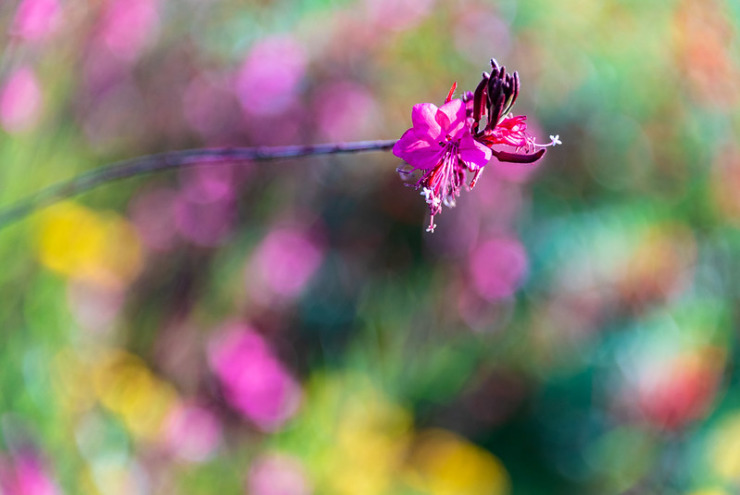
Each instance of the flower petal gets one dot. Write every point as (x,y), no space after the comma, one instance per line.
(443,120)
(455,113)
(419,153)
(423,116)
(473,153)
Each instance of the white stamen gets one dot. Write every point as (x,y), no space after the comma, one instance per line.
(430,198)
(554,141)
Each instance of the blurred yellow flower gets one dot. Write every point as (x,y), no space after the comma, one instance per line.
(86,482)
(443,463)
(102,248)
(367,437)
(371,442)
(710,491)
(724,452)
(125,385)
(113,478)
(71,380)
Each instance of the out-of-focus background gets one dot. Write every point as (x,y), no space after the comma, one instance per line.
(290,329)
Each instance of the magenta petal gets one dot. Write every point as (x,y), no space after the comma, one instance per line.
(443,120)
(419,153)
(423,116)
(473,153)
(454,109)
(455,112)
(409,142)
(424,158)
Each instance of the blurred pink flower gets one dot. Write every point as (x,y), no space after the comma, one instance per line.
(127,26)
(268,81)
(254,381)
(26,475)
(202,212)
(277,474)
(205,221)
(211,108)
(338,106)
(20,101)
(153,214)
(204,183)
(36,20)
(440,144)
(193,432)
(497,268)
(499,202)
(283,264)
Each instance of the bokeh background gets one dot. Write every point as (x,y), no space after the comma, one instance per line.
(289,328)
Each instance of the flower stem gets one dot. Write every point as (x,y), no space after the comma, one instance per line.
(173,160)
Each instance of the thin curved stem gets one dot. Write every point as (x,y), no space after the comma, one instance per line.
(172,160)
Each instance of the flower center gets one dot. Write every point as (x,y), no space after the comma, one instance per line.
(448,140)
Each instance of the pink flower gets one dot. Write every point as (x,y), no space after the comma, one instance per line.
(128,26)
(21,101)
(255,382)
(26,475)
(278,474)
(445,142)
(193,432)
(36,20)
(440,144)
(497,268)
(270,78)
(283,265)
